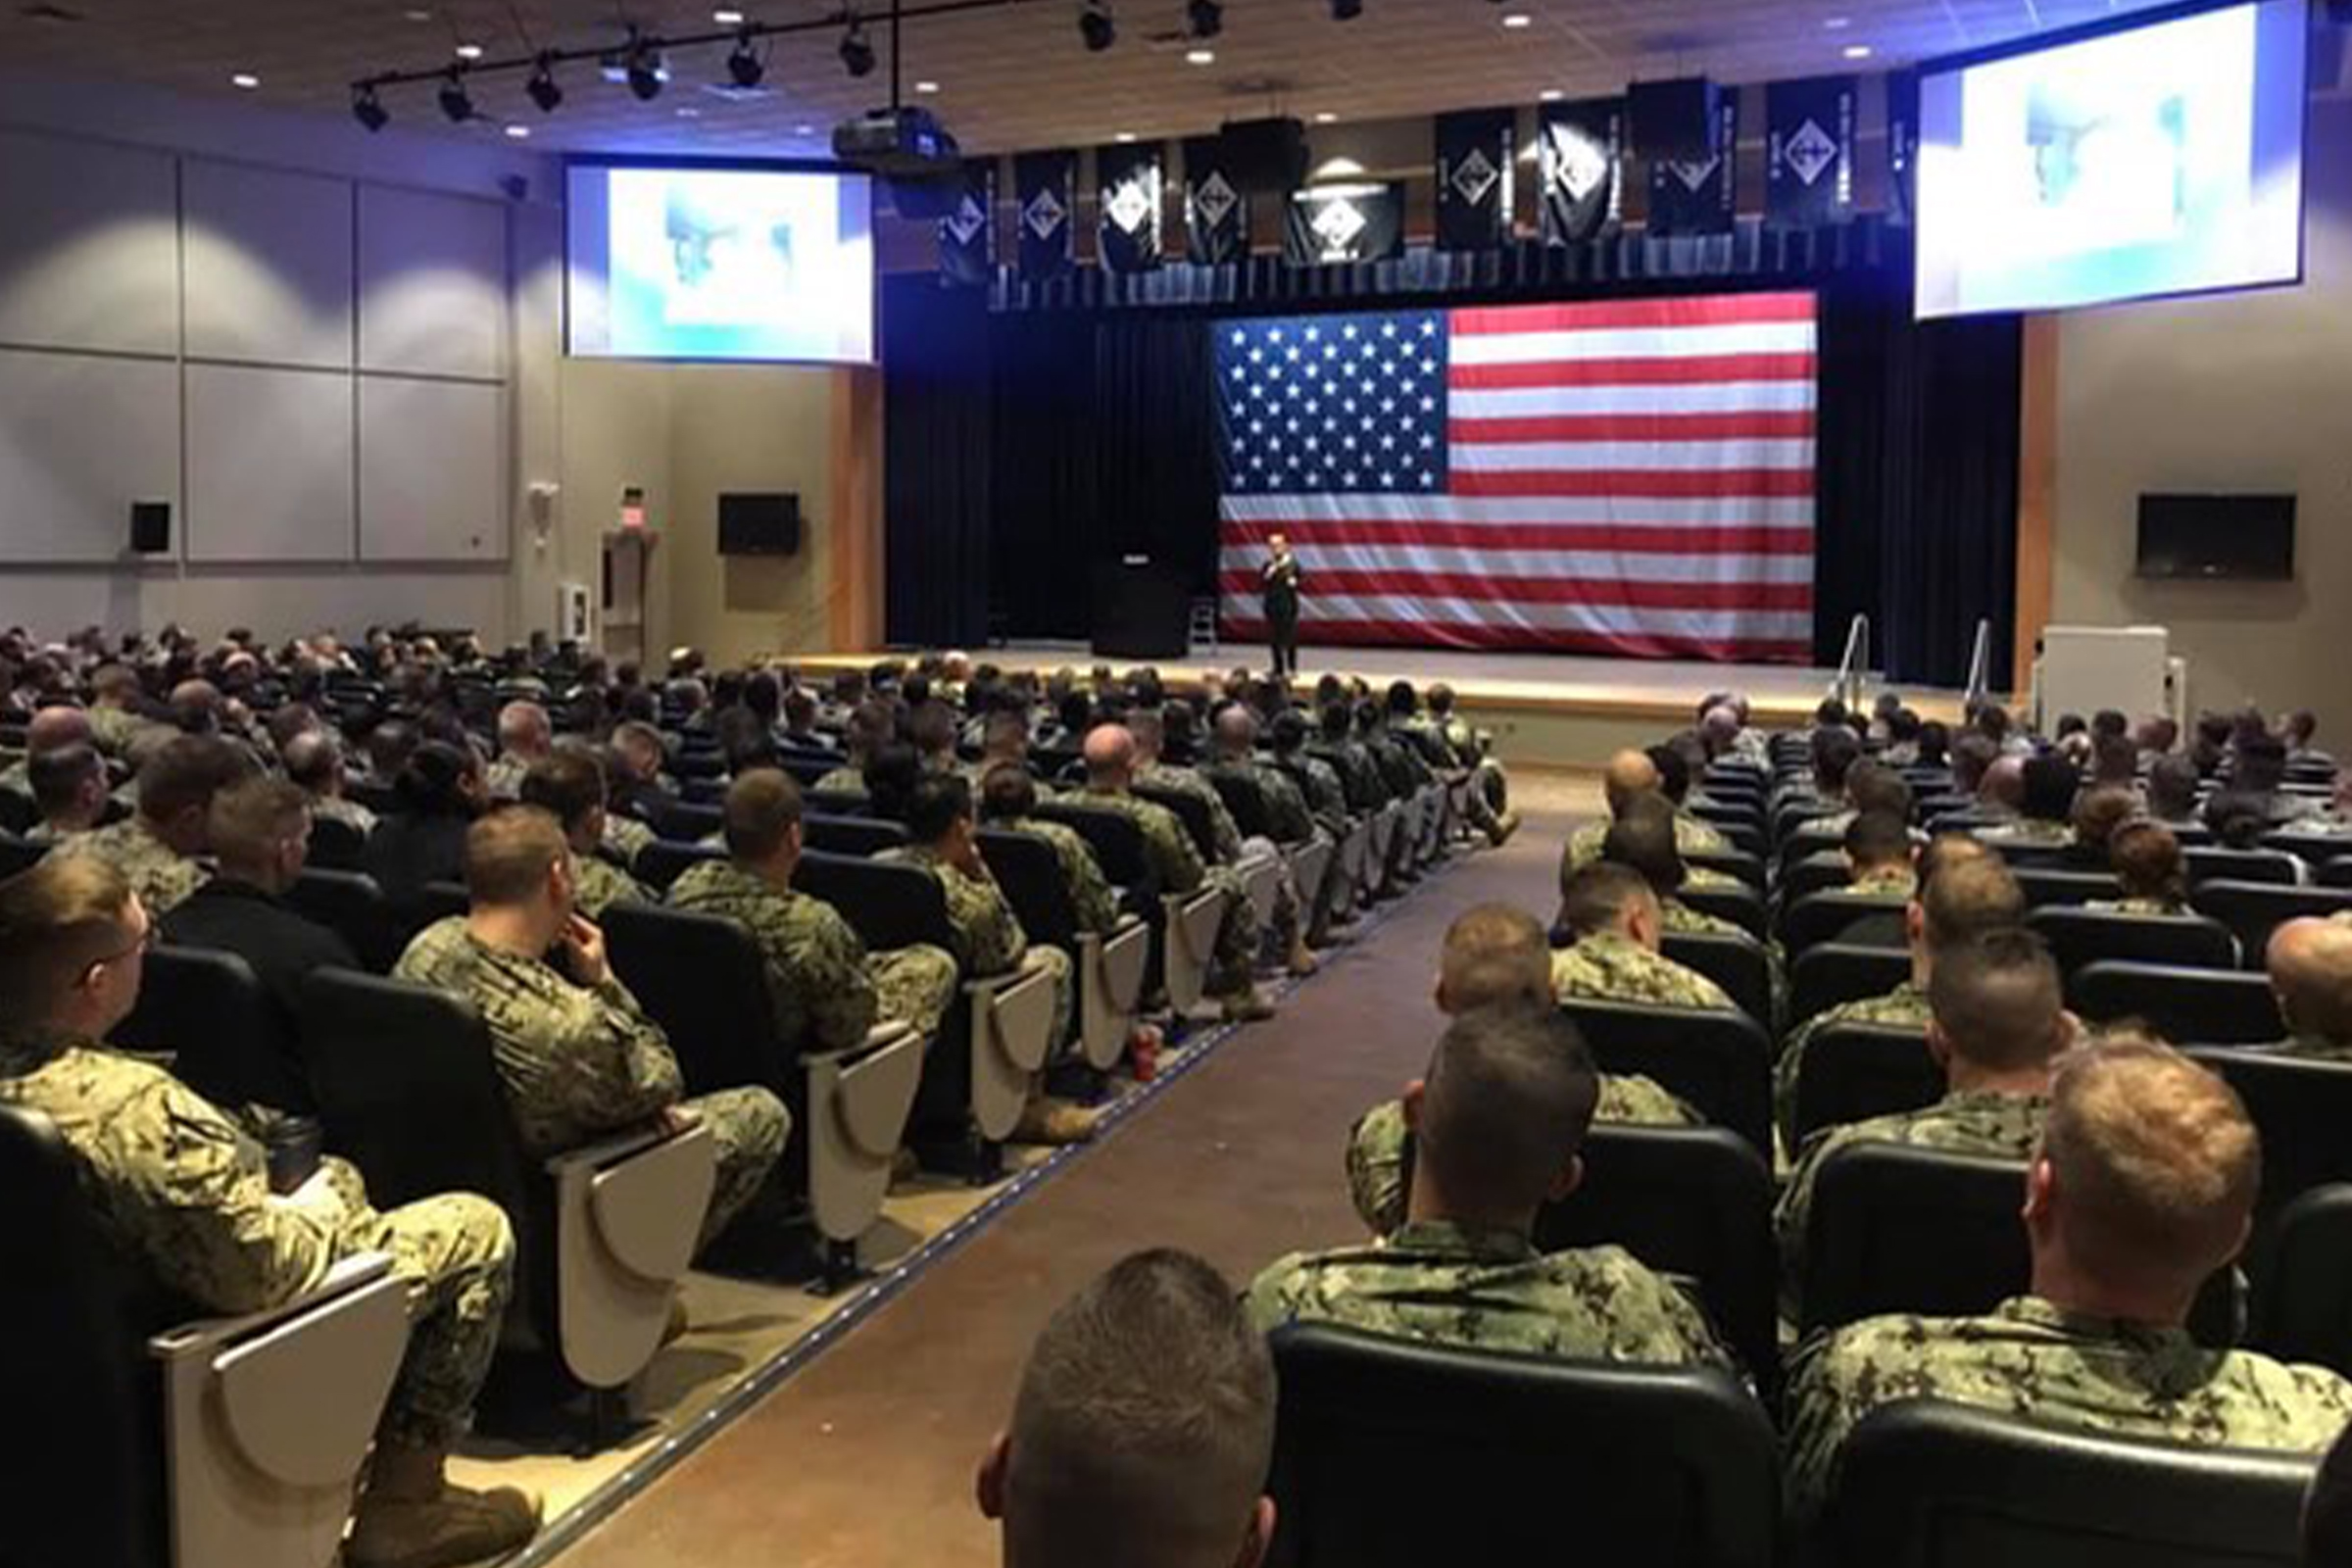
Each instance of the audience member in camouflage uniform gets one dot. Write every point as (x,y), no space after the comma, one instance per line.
(526,738)
(2148,864)
(2310,964)
(313,760)
(2046,810)
(1878,856)
(826,989)
(2143,1187)
(187,1194)
(1286,923)
(869,727)
(1964,892)
(1508,1096)
(1290,824)
(1007,797)
(114,714)
(1493,954)
(1642,839)
(156,847)
(579,1059)
(1176,866)
(1490,788)
(52,729)
(68,790)
(570,786)
(1632,775)
(1997,1021)
(1616,922)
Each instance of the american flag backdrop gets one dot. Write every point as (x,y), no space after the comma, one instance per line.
(1630,477)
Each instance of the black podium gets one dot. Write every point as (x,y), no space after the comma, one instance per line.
(1143,609)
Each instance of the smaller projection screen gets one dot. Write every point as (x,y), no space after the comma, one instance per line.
(710,262)
(2148,157)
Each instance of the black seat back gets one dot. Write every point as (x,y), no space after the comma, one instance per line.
(687,822)
(1923,1481)
(1117,843)
(15,855)
(1899,1229)
(336,845)
(1719,1061)
(2303,1296)
(2301,1107)
(351,904)
(229,1043)
(1743,905)
(887,904)
(1026,867)
(2210,1007)
(851,835)
(2254,909)
(1695,1202)
(1833,972)
(1192,810)
(1380,1442)
(2211,864)
(661,862)
(1819,918)
(1815,873)
(1736,961)
(702,978)
(1853,1071)
(2078,937)
(2044,886)
(1244,800)
(1740,861)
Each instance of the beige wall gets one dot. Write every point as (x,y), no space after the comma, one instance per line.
(2239,392)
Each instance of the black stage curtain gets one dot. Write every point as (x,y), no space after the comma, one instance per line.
(1024,447)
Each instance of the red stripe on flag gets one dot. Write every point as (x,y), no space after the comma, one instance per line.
(1693,369)
(1431,634)
(1657,541)
(1717,309)
(1668,483)
(1596,592)
(1763,425)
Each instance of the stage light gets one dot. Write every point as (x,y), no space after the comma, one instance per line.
(1200,57)
(1347,10)
(1095,27)
(1856,51)
(519,132)
(545,90)
(727,18)
(647,71)
(1207,17)
(745,66)
(245,81)
(368,110)
(469,52)
(857,50)
(454,99)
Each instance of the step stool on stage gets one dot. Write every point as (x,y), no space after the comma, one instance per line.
(1202,627)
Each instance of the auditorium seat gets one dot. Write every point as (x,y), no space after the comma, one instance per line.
(2047,888)
(1899,1229)
(1119,844)
(1110,967)
(1743,905)
(208,1011)
(1741,825)
(1721,1062)
(1824,916)
(2335,874)
(1853,1071)
(2078,937)
(1388,1452)
(661,862)
(851,835)
(1744,864)
(1815,873)
(1736,961)
(1833,972)
(686,822)
(408,1092)
(15,855)
(1192,811)
(2303,1291)
(703,980)
(2254,909)
(2209,865)
(1695,1202)
(233,1440)
(1804,839)
(336,845)
(703,791)
(2301,1107)
(1924,1482)
(2205,1007)
(350,903)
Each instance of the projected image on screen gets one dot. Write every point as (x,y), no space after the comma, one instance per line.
(2158,160)
(722,263)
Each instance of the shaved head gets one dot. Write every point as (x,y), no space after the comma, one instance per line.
(56,728)
(2005,781)
(2311,973)
(1109,753)
(1236,730)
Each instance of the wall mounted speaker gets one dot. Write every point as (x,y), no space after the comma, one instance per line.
(151,528)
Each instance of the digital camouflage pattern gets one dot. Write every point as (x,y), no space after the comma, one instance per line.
(601,884)
(186,1192)
(351,814)
(580,1062)
(625,837)
(1443,1284)
(827,990)
(847,780)
(1224,832)
(1967,1122)
(2029,1357)
(1903,1007)
(1377,1142)
(1887,882)
(1692,836)
(158,873)
(112,729)
(989,937)
(2028,830)
(1608,967)
(1676,915)
(1098,909)
(2162,907)
(1177,866)
(502,778)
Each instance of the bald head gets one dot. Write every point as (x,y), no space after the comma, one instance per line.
(53,729)
(2005,781)
(1236,731)
(2311,973)
(1630,773)
(524,732)
(1109,753)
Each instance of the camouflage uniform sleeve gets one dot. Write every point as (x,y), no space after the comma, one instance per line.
(642,1076)
(1172,852)
(1650,1318)
(1833,1382)
(1633,1098)
(1376,1166)
(1090,890)
(1282,1293)
(1789,1214)
(1226,832)
(839,996)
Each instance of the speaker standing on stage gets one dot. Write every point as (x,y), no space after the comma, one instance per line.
(1278,583)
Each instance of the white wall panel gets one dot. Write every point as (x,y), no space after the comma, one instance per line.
(270,456)
(433,284)
(432,470)
(269,272)
(80,439)
(89,250)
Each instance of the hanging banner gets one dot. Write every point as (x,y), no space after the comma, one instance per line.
(968,237)
(1474,178)
(1334,224)
(1217,215)
(1127,179)
(1581,156)
(1809,151)
(1698,198)
(1902,145)
(1045,186)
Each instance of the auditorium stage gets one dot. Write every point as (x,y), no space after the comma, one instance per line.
(1545,709)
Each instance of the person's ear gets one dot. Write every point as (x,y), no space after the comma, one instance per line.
(1258,1537)
(1438,995)
(1915,923)
(1570,1178)
(1940,1045)
(988,1485)
(1414,1093)
(2042,1193)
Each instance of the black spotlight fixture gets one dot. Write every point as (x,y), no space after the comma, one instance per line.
(1095,27)
(1206,18)
(744,65)
(646,69)
(1347,10)
(857,49)
(455,101)
(368,110)
(545,90)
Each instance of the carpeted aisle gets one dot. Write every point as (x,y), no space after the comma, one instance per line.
(866,1458)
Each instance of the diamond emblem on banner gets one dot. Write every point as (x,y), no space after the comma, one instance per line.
(1578,163)
(1213,198)
(1694,175)
(1338,225)
(1474,177)
(967,220)
(1129,207)
(1044,213)
(1810,150)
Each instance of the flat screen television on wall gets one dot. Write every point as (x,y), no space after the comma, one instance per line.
(719,262)
(2158,153)
(2217,536)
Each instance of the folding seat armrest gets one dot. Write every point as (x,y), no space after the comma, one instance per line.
(346,1275)
(607,1151)
(627,1211)
(881,1036)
